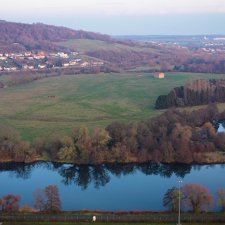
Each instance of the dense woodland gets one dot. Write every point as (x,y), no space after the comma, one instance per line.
(175,136)
(198,92)
(16,37)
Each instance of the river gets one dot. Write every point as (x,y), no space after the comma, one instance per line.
(221,127)
(107,187)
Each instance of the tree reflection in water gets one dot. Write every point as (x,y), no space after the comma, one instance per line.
(19,170)
(223,124)
(98,176)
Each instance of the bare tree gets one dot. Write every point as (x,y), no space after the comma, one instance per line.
(221,198)
(171,199)
(197,197)
(39,200)
(53,203)
(1,203)
(10,203)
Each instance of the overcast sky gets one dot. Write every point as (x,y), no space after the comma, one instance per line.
(122,16)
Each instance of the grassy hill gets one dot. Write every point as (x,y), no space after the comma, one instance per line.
(88,45)
(126,55)
(58,104)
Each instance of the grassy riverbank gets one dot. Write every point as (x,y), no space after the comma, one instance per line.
(101,223)
(103,218)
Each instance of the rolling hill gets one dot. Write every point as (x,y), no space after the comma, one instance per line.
(20,36)
(117,54)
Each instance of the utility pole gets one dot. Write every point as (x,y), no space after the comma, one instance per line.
(179,182)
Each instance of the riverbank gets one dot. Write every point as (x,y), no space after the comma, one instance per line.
(101,223)
(208,158)
(174,137)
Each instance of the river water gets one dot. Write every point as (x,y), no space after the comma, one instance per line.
(221,127)
(107,187)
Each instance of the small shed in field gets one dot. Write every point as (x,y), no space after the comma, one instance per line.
(159,75)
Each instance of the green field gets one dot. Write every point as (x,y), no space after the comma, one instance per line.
(58,104)
(87,45)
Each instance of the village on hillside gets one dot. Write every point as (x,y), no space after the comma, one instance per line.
(37,60)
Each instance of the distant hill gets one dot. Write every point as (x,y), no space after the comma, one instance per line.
(191,41)
(19,36)
(122,53)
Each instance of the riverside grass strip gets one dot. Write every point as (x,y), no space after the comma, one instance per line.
(100,223)
(104,218)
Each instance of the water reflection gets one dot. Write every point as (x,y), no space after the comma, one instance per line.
(99,176)
(84,175)
(18,170)
(221,126)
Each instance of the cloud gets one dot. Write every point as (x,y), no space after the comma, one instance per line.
(113,7)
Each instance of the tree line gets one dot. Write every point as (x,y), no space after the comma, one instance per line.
(198,92)
(45,200)
(193,197)
(175,136)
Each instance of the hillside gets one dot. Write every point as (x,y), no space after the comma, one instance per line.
(149,56)
(129,55)
(19,37)
(116,55)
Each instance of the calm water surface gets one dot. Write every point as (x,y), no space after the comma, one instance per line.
(221,127)
(107,187)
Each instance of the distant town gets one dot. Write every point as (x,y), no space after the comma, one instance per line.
(38,60)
